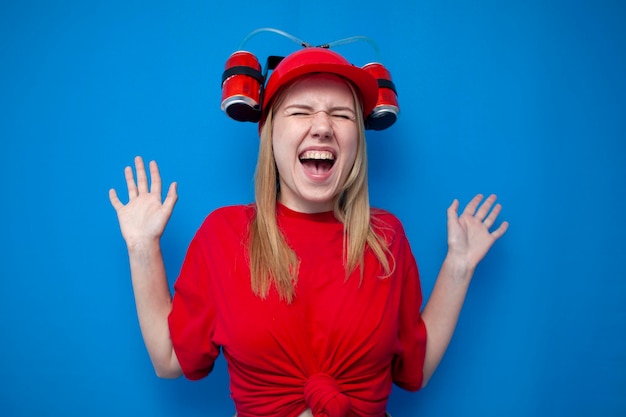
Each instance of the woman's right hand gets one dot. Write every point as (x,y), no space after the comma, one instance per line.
(144,217)
(142,221)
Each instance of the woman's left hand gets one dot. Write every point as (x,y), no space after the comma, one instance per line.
(469,235)
(469,240)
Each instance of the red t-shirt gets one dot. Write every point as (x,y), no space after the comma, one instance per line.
(336,349)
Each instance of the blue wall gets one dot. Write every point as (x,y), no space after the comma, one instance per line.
(522,98)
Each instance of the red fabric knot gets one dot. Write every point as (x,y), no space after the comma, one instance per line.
(323,395)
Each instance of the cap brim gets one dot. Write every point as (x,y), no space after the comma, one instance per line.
(365,83)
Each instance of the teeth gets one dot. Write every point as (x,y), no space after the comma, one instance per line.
(317,155)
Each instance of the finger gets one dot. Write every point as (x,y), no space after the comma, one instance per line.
(470,209)
(491,218)
(155,177)
(142,178)
(115,201)
(485,207)
(497,234)
(130,183)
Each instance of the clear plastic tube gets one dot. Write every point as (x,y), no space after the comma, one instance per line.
(280,32)
(356,39)
(307,45)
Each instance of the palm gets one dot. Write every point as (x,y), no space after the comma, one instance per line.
(468,234)
(144,217)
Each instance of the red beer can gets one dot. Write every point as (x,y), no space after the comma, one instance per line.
(241,87)
(386,110)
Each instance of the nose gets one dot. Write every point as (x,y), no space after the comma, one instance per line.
(321,125)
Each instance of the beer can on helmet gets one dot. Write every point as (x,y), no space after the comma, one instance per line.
(386,110)
(242,81)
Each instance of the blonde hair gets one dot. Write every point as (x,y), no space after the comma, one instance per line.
(272,261)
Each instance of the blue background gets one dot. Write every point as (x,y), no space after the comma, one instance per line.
(522,98)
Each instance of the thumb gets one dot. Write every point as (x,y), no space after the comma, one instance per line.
(172,197)
(453,210)
(115,201)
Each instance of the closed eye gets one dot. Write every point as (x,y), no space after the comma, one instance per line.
(335,114)
(343,116)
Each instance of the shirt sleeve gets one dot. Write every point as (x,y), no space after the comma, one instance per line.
(192,319)
(408,365)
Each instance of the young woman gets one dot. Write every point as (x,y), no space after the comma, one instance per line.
(313,297)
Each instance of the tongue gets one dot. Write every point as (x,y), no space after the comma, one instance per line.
(316,166)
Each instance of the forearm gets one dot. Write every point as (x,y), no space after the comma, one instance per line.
(154,303)
(441,313)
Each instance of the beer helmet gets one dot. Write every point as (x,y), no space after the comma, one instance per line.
(247,93)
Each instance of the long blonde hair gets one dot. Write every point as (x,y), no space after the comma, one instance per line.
(272,261)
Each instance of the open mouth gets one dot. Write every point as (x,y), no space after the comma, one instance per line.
(317,162)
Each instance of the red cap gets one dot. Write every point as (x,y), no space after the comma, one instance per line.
(313,60)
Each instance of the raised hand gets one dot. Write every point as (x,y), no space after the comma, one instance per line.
(469,235)
(145,216)
(469,240)
(142,221)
